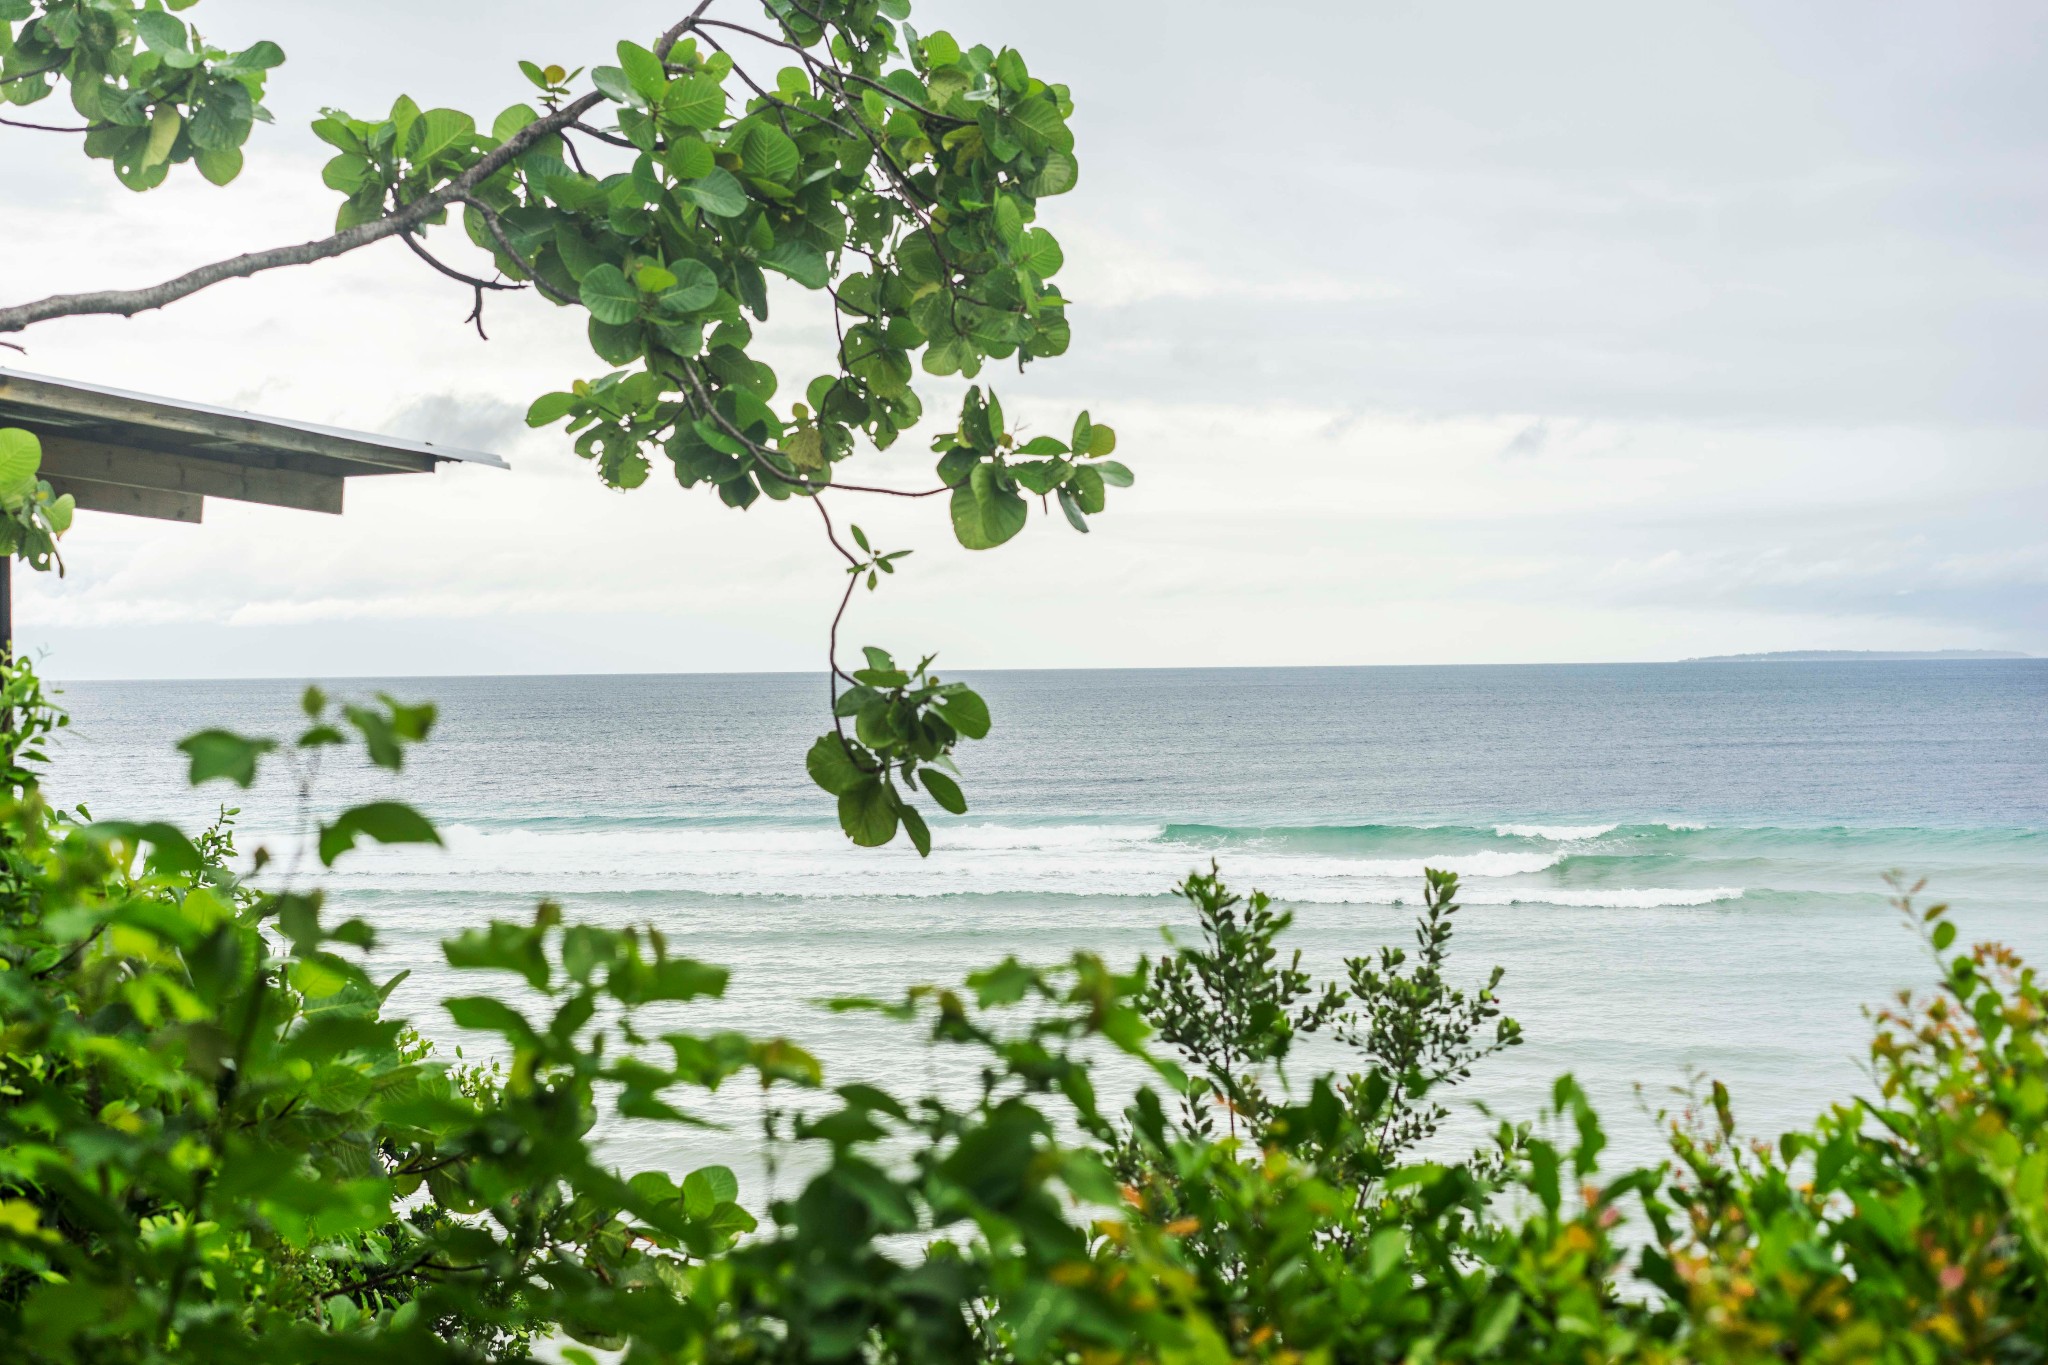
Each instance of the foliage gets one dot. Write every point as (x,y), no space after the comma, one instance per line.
(899,174)
(217,1144)
(153,93)
(32,514)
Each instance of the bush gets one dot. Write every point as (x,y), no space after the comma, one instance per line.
(216,1145)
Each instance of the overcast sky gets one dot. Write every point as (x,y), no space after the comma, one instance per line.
(1434,332)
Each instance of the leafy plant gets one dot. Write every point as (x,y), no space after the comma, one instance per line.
(32,515)
(901,174)
(217,1144)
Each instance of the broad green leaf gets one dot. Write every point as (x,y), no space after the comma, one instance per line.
(387,822)
(800,261)
(1087,489)
(867,812)
(610,296)
(162,32)
(222,117)
(164,127)
(438,131)
(550,408)
(1073,510)
(944,789)
(768,154)
(717,193)
(1114,474)
(512,120)
(1040,253)
(219,165)
(614,84)
(688,158)
(832,767)
(983,520)
(1059,174)
(643,69)
(222,753)
(695,287)
(21,457)
(913,824)
(695,102)
(966,712)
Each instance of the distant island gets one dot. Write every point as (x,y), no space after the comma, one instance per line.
(1855,656)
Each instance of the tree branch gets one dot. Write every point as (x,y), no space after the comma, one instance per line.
(49,127)
(476,314)
(129,302)
(666,43)
(497,227)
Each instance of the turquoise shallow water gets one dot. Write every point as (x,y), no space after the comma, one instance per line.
(1680,865)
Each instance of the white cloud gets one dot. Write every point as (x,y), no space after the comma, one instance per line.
(1462,362)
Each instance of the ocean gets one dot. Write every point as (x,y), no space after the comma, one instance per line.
(1681,866)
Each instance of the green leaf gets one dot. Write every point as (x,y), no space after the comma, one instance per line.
(219,165)
(984,516)
(966,712)
(223,116)
(21,457)
(609,296)
(643,69)
(831,765)
(688,158)
(161,32)
(1944,934)
(800,261)
(221,753)
(387,822)
(488,1015)
(768,154)
(706,1188)
(550,408)
(164,127)
(867,812)
(1040,253)
(913,824)
(1059,174)
(259,56)
(614,84)
(944,789)
(1087,489)
(1114,474)
(512,120)
(695,102)
(718,193)
(438,131)
(1075,517)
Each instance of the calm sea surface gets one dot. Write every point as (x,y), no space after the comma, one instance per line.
(1680,866)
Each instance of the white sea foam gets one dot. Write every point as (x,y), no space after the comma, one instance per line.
(981,859)
(1604,898)
(1562,834)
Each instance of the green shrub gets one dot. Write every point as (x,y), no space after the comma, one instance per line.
(216,1145)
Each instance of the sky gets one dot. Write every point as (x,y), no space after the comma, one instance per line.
(1434,333)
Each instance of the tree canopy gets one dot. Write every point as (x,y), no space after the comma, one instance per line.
(900,173)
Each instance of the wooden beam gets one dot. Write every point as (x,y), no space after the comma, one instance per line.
(133,467)
(130,501)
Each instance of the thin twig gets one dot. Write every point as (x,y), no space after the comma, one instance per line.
(497,227)
(57,65)
(49,127)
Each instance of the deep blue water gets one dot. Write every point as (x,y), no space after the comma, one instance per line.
(1680,865)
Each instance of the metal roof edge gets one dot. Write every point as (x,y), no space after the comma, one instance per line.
(176,405)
